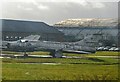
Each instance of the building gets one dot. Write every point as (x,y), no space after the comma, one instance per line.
(77,29)
(17,29)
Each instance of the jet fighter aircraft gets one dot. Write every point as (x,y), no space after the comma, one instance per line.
(56,49)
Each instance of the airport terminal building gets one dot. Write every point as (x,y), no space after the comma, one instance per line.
(17,29)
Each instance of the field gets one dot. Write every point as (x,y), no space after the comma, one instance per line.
(88,67)
(98,53)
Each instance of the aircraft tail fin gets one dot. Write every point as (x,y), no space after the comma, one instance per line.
(90,40)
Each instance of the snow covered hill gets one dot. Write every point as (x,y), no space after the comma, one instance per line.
(88,22)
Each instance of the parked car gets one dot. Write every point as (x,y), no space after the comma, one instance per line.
(112,49)
(117,49)
(100,48)
(106,48)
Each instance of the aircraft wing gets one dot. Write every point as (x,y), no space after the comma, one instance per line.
(32,38)
(74,51)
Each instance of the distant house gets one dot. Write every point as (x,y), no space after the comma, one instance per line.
(16,29)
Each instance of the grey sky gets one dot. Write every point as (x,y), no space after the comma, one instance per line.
(52,11)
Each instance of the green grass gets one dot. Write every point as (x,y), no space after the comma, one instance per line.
(48,60)
(106,53)
(31,53)
(86,68)
(69,69)
(85,60)
(98,53)
(59,72)
(10,52)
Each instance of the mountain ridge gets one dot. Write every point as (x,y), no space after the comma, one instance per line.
(88,22)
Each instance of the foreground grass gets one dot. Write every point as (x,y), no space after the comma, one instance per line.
(85,68)
(68,69)
(15,71)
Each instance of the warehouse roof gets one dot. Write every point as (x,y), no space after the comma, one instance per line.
(27,26)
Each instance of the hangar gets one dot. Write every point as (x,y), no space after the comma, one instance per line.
(16,29)
(77,29)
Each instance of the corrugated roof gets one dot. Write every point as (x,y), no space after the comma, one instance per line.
(27,26)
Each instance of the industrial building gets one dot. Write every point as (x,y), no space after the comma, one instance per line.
(17,29)
(108,35)
(77,29)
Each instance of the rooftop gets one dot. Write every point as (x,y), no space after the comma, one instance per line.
(27,26)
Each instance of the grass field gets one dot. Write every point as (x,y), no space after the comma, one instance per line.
(15,71)
(85,60)
(98,53)
(19,53)
(85,68)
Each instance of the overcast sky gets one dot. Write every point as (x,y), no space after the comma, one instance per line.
(52,11)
